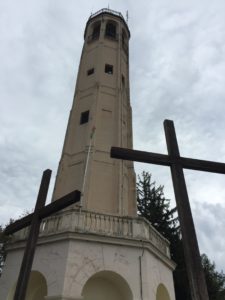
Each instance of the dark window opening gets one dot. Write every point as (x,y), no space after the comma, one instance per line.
(84,117)
(124,41)
(110,30)
(90,71)
(123,80)
(109,69)
(96,32)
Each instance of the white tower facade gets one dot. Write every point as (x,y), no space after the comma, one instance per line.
(100,249)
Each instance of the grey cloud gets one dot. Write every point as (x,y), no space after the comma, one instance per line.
(177,67)
(210,222)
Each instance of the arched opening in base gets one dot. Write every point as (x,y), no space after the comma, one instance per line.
(107,285)
(162,293)
(36,290)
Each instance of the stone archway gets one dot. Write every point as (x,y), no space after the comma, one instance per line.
(162,293)
(107,285)
(36,290)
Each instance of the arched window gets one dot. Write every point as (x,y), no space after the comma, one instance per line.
(110,30)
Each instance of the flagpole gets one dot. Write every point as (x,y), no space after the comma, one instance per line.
(86,166)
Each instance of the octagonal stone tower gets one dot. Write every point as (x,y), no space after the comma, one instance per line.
(101,249)
(100,118)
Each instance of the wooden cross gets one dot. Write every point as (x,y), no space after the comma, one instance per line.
(34,220)
(177,164)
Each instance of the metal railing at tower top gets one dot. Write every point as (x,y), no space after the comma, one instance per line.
(107,10)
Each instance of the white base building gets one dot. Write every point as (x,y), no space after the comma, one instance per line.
(93,256)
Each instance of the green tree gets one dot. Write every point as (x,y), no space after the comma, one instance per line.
(215,281)
(153,205)
(3,241)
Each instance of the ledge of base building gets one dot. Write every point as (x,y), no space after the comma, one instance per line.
(98,238)
(62,298)
(98,224)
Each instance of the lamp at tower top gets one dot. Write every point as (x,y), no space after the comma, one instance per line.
(106,12)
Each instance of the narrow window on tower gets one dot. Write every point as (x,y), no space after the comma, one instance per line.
(90,71)
(110,30)
(123,38)
(84,117)
(96,31)
(109,69)
(123,81)
(124,41)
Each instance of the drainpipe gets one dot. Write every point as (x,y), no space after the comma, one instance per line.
(140,270)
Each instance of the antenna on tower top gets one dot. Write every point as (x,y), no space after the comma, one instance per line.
(127,17)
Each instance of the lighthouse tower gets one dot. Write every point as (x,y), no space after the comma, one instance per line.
(99,119)
(99,249)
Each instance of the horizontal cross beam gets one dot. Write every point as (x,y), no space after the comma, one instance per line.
(45,211)
(167,160)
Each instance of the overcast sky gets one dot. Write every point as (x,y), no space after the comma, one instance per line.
(177,71)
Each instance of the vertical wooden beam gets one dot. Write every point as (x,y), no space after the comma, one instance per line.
(191,250)
(27,262)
